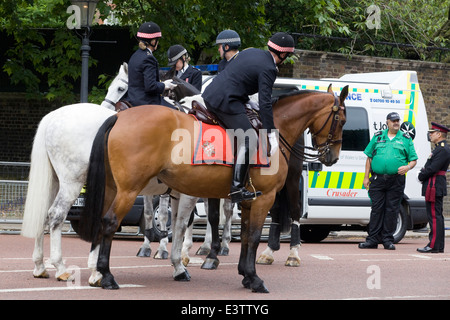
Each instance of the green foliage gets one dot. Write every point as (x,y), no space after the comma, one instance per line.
(55,60)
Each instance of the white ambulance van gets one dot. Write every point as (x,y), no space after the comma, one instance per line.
(334,198)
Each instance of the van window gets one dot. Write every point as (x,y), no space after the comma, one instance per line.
(355,135)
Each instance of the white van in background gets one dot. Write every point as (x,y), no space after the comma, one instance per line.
(334,198)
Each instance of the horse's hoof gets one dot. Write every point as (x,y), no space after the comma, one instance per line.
(265,259)
(144,253)
(109,283)
(292,262)
(224,251)
(64,277)
(43,275)
(184,276)
(210,264)
(95,284)
(261,288)
(202,251)
(161,254)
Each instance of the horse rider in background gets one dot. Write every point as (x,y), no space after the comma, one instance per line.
(228,43)
(179,61)
(144,86)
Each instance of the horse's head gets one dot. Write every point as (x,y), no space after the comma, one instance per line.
(117,88)
(326,127)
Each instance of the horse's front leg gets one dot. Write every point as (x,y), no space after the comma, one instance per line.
(181,211)
(212,261)
(145,249)
(253,223)
(293,259)
(226,234)
(163,217)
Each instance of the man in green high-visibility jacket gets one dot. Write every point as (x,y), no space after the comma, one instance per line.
(390,154)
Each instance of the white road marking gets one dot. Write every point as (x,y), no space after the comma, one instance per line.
(63,288)
(321,257)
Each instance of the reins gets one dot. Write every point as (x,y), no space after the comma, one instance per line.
(321,149)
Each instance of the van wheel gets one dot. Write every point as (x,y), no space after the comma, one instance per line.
(157,222)
(313,233)
(400,230)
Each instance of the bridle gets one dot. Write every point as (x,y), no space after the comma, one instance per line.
(112,102)
(322,148)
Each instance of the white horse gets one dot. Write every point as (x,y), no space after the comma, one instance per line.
(205,247)
(59,161)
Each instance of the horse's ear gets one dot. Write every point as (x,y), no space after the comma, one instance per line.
(329,88)
(344,94)
(125,67)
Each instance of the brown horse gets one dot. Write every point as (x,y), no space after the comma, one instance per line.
(134,146)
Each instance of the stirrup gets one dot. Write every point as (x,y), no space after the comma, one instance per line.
(243,194)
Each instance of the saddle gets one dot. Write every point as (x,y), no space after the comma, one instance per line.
(203,114)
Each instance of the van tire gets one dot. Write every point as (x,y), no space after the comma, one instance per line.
(313,233)
(156,222)
(402,224)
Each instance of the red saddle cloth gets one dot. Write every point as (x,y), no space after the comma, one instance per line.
(213,146)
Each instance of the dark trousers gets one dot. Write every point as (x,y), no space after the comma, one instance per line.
(385,192)
(436,221)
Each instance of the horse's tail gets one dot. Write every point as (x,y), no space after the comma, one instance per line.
(91,215)
(42,185)
(284,214)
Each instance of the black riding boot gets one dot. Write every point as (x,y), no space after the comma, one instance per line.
(238,192)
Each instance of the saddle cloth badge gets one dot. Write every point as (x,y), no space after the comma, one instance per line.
(212,145)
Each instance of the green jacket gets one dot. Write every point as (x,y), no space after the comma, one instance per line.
(388,155)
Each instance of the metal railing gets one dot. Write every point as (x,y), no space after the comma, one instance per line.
(13,190)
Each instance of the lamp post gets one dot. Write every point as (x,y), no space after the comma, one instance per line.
(87,10)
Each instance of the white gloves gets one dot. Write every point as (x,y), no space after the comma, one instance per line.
(273,143)
(168,85)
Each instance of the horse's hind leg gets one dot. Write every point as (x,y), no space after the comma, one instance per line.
(145,250)
(38,258)
(57,215)
(96,277)
(212,261)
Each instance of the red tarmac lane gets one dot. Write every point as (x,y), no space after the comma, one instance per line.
(332,269)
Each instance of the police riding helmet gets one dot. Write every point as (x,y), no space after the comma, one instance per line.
(281,42)
(147,32)
(230,38)
(174,53)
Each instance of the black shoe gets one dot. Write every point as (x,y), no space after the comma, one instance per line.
(428,249)
(367,245)
(243,194)
(389,246)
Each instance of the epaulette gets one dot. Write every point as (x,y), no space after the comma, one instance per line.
(378,133)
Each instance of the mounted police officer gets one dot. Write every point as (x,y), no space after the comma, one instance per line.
(144,86)
(434,186)
(179,61)
(252,71)
(390,154)
(228,43)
